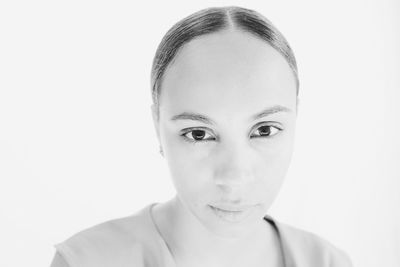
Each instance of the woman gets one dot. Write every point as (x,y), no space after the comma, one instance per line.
(225,95)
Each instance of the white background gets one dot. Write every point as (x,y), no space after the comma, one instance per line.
(78,147)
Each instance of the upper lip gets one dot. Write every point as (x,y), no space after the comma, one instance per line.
(230,207)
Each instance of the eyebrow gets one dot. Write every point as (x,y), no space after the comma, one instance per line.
(204,119)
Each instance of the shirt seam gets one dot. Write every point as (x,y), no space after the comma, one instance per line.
(67,254)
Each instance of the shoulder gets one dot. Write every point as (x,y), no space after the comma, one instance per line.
(124,239)
(311,248)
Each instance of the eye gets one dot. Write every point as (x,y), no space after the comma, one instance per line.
(195,136)
(198,135)
(267,131)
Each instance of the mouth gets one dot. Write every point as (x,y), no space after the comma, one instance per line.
(232,213)
(233,208)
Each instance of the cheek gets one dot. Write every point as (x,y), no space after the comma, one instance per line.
(188,168)
(277,153)
(272,168)
(277,158)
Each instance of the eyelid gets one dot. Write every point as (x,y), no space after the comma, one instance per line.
(186,130)
(269,123)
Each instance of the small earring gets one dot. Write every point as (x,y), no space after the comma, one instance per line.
(161,151)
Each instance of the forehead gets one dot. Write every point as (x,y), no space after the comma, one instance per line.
(230,69)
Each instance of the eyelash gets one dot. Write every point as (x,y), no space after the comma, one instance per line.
(188,130)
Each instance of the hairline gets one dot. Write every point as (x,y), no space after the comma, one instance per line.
(226,19)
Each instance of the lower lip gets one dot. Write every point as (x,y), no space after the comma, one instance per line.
(232,216)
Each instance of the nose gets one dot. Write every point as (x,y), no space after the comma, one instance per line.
(234,167)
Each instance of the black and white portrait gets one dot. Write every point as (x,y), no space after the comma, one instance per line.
(209,133)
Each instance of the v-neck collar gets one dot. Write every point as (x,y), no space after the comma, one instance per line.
(169,260)
(288,260)
(284,245)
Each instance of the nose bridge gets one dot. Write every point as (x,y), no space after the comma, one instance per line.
(234,166)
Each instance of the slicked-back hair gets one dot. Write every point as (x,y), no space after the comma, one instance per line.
(212,20)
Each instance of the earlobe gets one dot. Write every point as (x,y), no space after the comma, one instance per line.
(297,104)
(155,121)
(153,112)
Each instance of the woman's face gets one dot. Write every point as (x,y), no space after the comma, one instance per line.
(226,126)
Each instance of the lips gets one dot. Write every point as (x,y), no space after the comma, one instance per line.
(232,208)
(232,214)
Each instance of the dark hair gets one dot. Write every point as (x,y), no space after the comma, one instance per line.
(211,20)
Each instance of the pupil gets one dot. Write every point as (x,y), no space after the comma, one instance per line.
(265,130)
(198,134)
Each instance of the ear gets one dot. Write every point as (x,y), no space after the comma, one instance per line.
(156,122)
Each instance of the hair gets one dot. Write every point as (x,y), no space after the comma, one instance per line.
(212,20)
